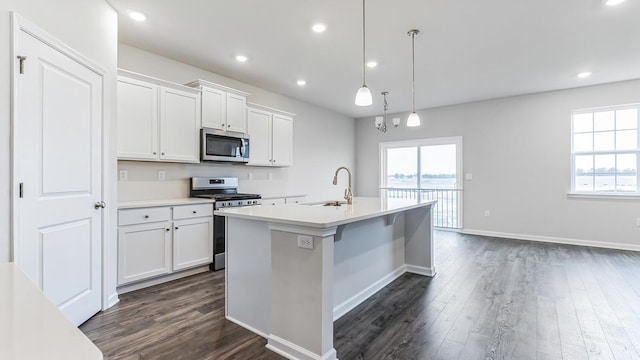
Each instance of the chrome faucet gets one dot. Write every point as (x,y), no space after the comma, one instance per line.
(348,194)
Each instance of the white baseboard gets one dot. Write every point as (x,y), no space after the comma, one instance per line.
(161,279)
(421,270)
(294,352)
(557,240)
(250,328)
(357,299)
(113,299)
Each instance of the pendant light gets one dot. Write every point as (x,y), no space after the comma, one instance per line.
(363,96)
(381,121)
(414,119)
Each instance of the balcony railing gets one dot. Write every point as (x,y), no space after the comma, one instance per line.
(447,211)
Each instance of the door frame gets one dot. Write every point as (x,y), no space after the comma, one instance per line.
(109,297)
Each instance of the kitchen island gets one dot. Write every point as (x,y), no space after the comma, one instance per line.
(294,269)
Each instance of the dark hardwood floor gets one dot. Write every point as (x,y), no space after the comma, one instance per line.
(491,299)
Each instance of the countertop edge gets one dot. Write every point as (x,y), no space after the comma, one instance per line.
(163,202)
(316,225)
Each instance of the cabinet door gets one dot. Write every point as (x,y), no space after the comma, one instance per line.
(214,108)
(282,143)
(144,251)
(137,120)
(192,242)
(259,129)
(179,125)
(236,113)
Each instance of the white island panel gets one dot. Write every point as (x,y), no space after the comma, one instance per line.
(291,294)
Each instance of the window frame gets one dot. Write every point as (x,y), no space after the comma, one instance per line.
(613,194)
(417,143)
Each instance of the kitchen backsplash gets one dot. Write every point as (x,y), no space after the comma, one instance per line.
(142,179)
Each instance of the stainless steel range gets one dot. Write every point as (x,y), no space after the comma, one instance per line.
(225,193)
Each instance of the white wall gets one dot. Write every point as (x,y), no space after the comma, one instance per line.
(323,141)
(93,34)
(518,150)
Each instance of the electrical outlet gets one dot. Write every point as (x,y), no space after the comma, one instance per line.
(487,213)
(305,242)
(250,176)
(123,175)
(161,175)
(270,176)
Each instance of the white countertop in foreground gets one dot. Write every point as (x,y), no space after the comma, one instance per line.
(31,327)
(164,202)
(319,216)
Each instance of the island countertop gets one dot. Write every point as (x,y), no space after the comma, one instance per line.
(31,327)
(316,215)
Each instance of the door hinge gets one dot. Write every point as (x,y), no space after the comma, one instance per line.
(21,187)
(22,59)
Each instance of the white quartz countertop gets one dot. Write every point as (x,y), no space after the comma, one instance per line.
(165,202)
(31,327)
(318,216)
(279,196)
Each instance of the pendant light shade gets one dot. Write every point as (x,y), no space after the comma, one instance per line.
(363,96)
(414,119)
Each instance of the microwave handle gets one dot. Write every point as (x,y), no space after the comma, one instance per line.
(242,148)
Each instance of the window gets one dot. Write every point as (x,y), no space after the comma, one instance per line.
(605,151)
(429,169)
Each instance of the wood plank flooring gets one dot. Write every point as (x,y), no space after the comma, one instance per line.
(491,299)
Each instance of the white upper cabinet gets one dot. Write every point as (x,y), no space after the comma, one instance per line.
(179,138)
(214,108)
(270,135)
(259,126)
(137,119)
(223,108)
(157,120)
(282,140)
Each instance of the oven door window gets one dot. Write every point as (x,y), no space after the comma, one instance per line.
(223,146)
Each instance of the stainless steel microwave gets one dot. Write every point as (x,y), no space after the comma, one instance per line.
(225,146)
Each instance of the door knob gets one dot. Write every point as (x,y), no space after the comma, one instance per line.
(99,204)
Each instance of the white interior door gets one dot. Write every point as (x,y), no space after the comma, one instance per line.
(57,127)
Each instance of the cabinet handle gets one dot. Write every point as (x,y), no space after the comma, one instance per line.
(229,125)
(195,212)
(162,153)
(155,153)
(146,216)
(168,229)
(176,228)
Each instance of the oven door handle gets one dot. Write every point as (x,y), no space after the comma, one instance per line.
(242,148)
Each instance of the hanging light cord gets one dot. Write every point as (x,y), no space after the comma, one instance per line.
(364,42)
(413,70)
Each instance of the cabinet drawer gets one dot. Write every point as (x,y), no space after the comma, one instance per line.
(192,211)
(143,216)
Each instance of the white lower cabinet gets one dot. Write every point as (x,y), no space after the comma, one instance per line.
(156,241)
(284,200)
(192,242)
(144,251)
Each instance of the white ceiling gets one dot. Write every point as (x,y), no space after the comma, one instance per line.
(467,50)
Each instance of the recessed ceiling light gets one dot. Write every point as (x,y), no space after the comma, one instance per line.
(319,28)
(613,2)
(137,15)
(241,58)
(372,64)
(301,82)
(585,74)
